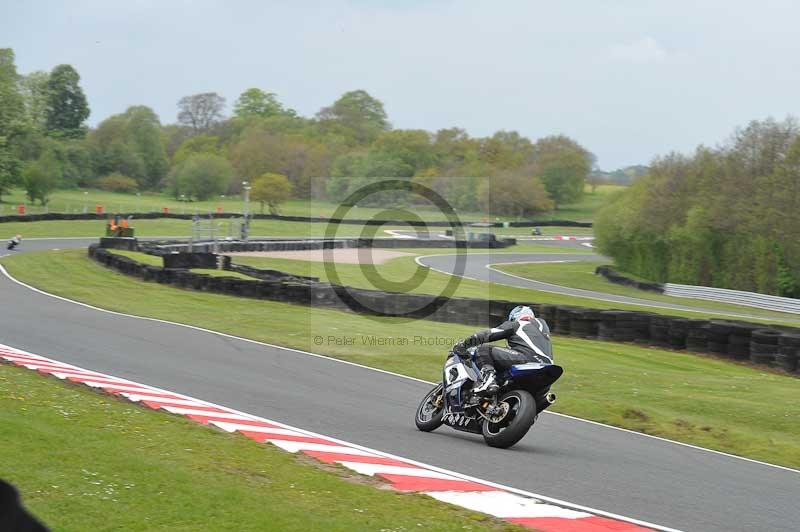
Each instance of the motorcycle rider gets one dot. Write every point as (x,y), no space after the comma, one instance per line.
(528,339)
(14,242)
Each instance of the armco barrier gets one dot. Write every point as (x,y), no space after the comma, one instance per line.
(778,347)
(722,295)
(308,219)
(738,297)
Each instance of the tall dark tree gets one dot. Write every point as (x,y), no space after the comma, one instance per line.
(67,108)
(200,111)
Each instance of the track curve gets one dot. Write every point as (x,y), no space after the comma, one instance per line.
(589,464)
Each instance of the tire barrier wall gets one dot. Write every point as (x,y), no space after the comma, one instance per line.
(308,219)
(614,277)
(165,247)
(777,347)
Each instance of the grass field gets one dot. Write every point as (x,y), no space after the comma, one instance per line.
(86,461)
(223,228)
(76,200)
(692,398)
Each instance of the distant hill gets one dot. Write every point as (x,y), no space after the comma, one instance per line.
(622,176)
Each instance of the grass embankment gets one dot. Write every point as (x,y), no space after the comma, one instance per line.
(85,461)
(696,399)
(170,227)
(75,200)
(424,281)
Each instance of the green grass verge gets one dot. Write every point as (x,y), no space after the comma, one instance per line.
(86,461)
(177,228)
(183,228)
(581,275)
(75,200)
(697,399)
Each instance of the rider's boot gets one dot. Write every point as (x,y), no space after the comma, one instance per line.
(488,384)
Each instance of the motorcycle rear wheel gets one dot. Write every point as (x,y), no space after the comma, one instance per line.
(515,425)
(429,417)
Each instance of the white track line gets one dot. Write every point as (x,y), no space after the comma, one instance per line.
(385,372)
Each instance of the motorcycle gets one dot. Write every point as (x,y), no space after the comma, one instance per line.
(14,242)
(502,419)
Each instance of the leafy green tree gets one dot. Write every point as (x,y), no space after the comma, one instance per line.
(197,144)
(356,115)
(10,168)
(272,189)
(201,176)
(67,108)
(563,165)
(130,144)
(256,103)
(41,177)
(34,88)
(514,194)
(410,147)
(199,112)
(144,132)
(11,120)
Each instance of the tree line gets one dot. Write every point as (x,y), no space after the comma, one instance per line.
(45,144)
(725,217)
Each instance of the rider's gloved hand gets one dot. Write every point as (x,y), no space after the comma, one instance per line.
(472,341)
(461,350)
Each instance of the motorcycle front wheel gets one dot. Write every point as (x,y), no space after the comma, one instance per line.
(430,411)
(515,423)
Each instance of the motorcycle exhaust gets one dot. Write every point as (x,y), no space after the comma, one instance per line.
(550,398)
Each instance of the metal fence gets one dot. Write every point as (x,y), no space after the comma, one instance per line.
(737,297)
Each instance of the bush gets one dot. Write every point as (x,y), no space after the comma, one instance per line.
(117,182)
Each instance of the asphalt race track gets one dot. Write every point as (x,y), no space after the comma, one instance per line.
(592,465)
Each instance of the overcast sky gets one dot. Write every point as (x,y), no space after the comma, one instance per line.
(629,79)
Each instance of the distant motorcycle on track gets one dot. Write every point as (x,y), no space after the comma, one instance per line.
(502,419)
(14,242)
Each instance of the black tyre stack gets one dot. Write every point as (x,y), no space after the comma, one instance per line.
(719,332)
(676,337)
(739,340)
(626,326)
(583,323)
(788,352)
(563,319)
(548,314)
(659,330)
(607,324)
(641,327)
(697,336)
(764,346)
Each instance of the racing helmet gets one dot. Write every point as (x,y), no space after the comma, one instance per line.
(521,313)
